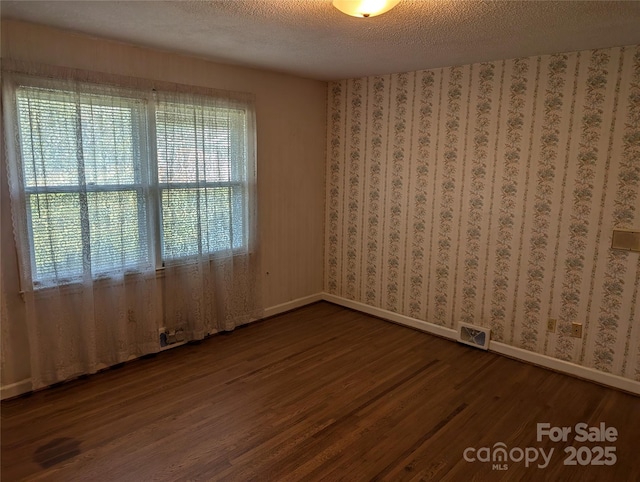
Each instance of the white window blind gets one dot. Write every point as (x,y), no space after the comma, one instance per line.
(202,178)
(117,180)
(84,182)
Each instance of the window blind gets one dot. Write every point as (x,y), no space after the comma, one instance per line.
(83,181)
(202,176)
(98,162)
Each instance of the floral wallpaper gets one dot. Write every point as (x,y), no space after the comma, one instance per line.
(488,193)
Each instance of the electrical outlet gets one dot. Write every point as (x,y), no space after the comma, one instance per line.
(551,325)
(576,330)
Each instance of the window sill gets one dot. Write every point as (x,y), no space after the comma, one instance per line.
(75,286)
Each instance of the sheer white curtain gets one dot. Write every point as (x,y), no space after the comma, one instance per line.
(207,181)
(132,210)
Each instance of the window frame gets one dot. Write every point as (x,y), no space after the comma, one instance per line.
(167,186)
(148,190)
(138,105)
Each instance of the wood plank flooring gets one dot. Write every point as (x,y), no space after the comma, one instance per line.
(321,393)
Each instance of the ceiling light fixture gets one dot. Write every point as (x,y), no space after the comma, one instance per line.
(364,8)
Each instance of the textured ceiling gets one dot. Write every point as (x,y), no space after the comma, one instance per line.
(310,38)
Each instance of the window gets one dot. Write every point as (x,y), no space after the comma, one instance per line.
(116,180)
(199,172)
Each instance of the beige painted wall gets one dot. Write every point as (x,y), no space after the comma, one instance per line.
(488,193)
(291,143)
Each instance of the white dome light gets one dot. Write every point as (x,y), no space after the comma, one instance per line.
(364,8)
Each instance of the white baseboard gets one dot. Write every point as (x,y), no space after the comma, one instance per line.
(569,368)
(545,361)
(292,305)
(391,316)
(562,366)
(15,389)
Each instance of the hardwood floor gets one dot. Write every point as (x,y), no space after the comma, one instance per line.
(321,393)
